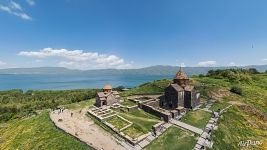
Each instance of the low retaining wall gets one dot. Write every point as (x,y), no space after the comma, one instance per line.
(119,132)
(132,108)
(150,109)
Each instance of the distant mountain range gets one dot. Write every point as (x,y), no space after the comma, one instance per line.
(153,70)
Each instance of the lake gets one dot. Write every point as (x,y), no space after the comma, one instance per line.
(77,81)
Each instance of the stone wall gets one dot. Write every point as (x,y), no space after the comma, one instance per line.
(161,114)
(98,102)
(155,103)
(132,108)
(111,99)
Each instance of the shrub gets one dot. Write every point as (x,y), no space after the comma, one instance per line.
(253,70)
(201,75)
(236,89)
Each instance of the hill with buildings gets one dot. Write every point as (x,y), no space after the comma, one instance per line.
(245,90)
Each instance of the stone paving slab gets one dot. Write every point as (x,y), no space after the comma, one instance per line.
(144,143)
(187,126)
(151,138)
(201,141)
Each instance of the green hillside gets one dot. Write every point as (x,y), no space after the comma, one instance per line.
(36,133)
(246,120)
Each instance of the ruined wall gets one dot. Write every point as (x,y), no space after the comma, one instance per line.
(98,102)
(149,109)
(155,103)
(132,108)
(195,99)
(111,99)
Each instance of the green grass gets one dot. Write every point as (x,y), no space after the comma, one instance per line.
(155,87)
(198,118)
(128,103)
(81,104)
(239,124)
(234,128)
(37,133)
(173,139)
(219,105)
(141,120)
(141,113)
(117,122)
(133,131)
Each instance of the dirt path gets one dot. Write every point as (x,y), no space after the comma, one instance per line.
(83,128)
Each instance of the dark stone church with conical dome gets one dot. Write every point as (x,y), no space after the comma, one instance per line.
(180,94)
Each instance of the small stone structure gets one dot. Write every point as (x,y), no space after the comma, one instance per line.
(152,107)
(107,97)
(98,112)
(180,93)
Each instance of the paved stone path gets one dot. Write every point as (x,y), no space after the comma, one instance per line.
(203,140)
(186,126)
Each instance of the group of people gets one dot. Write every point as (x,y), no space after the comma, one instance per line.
(160,129)
(60,110)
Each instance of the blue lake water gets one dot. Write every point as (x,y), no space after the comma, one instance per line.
(60,82)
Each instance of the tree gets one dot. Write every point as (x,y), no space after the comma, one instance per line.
(201,75)
(253,70)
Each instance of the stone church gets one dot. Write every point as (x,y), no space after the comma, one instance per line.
(107,97)
(180,94)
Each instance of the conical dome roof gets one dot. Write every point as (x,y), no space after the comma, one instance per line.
(181,75)
(107,87)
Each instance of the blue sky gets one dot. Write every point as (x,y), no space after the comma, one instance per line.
(96,34)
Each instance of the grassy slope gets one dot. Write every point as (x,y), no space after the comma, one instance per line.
(80,105)
(197,118)
(148,88)
(128,103)
(240,124)
(36,133)
(173,139)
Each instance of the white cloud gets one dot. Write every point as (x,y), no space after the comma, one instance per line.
(265,59)
(31,2)
(78,59)
(2,63)
(182,64)
(15,5)
(208,63)
(232,64)
(15,9)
